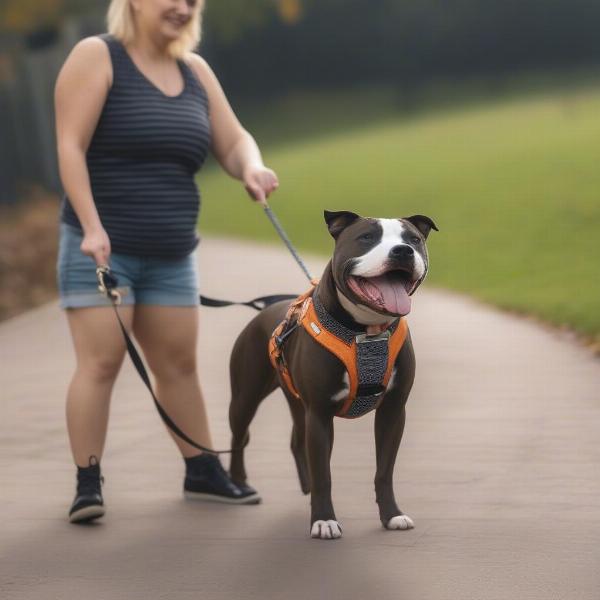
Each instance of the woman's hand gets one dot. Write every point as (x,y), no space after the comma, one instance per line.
(260,182)
(96,244)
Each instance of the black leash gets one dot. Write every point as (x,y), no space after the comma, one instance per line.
(257,303)
(107,284)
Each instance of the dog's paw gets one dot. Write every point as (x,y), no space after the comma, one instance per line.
(326,530)
(400,522)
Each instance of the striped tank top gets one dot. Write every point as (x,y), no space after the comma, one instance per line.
(142,159)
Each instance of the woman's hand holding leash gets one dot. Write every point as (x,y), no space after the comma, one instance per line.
(96,244)
(260,182)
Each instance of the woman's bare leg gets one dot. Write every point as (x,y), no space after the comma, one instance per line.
(168,337)
(99,348)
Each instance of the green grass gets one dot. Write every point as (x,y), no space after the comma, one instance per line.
(513,185)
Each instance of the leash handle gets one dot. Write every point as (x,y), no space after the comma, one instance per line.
(107,283)
(285,238)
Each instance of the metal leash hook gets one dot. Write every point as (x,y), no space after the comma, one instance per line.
(107,284)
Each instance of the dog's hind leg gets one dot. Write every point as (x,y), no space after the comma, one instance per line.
(298,442)
(252,380)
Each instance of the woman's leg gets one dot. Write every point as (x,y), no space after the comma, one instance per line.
(99,349)
(168,337)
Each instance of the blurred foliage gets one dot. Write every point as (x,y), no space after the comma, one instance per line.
(23,16)
(295,44)
(28,246)
(27,16)
(228,20)
(290,11)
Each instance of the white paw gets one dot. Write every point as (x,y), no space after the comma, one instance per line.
(326,530)
(400,522)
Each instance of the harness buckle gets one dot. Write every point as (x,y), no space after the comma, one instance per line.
(363,338)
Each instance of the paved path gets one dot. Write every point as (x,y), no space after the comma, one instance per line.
(498,468)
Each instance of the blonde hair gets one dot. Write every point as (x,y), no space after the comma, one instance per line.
(121,23)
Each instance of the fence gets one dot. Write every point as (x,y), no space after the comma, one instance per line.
(27,139)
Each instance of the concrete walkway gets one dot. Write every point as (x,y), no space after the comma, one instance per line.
(499,468)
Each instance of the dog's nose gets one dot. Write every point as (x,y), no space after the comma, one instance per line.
(402,251)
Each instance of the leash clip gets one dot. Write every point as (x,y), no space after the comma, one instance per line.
(107,284)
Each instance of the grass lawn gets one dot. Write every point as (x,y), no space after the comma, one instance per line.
(513,184)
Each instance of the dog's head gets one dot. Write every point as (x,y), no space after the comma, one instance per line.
(379,263)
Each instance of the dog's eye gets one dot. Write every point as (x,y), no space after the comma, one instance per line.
(366,237)
(415,240)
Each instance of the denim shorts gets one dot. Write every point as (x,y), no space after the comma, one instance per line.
(141,279)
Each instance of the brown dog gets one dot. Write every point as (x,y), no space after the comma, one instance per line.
(343,351)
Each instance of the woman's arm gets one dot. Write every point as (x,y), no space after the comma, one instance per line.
(232,145)
(80,93)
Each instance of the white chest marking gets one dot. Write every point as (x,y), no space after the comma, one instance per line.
(363,314)
(342,394)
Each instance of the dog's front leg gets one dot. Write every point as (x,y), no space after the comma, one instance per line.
(389,426)
(319,441)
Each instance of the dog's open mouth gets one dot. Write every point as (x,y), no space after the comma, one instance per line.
(387,293)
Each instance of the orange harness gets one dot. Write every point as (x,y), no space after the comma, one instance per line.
(364,356)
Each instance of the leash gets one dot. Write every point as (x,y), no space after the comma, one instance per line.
(264,301)
(107,285)
(271,215)
(256,304)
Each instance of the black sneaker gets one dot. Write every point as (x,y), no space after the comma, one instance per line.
(206,479)
(88,503)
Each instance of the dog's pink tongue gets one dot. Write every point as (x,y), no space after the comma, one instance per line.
(392,298)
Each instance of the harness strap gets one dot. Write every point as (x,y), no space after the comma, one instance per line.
(290,323)
(368,359)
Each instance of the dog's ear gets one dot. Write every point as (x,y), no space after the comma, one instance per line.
(338,221)
(422,223)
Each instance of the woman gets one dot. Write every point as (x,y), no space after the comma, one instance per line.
(136,113)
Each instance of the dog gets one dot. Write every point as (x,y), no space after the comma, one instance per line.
(341,349)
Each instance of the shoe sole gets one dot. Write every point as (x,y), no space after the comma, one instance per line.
(87,514)
(253,499)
